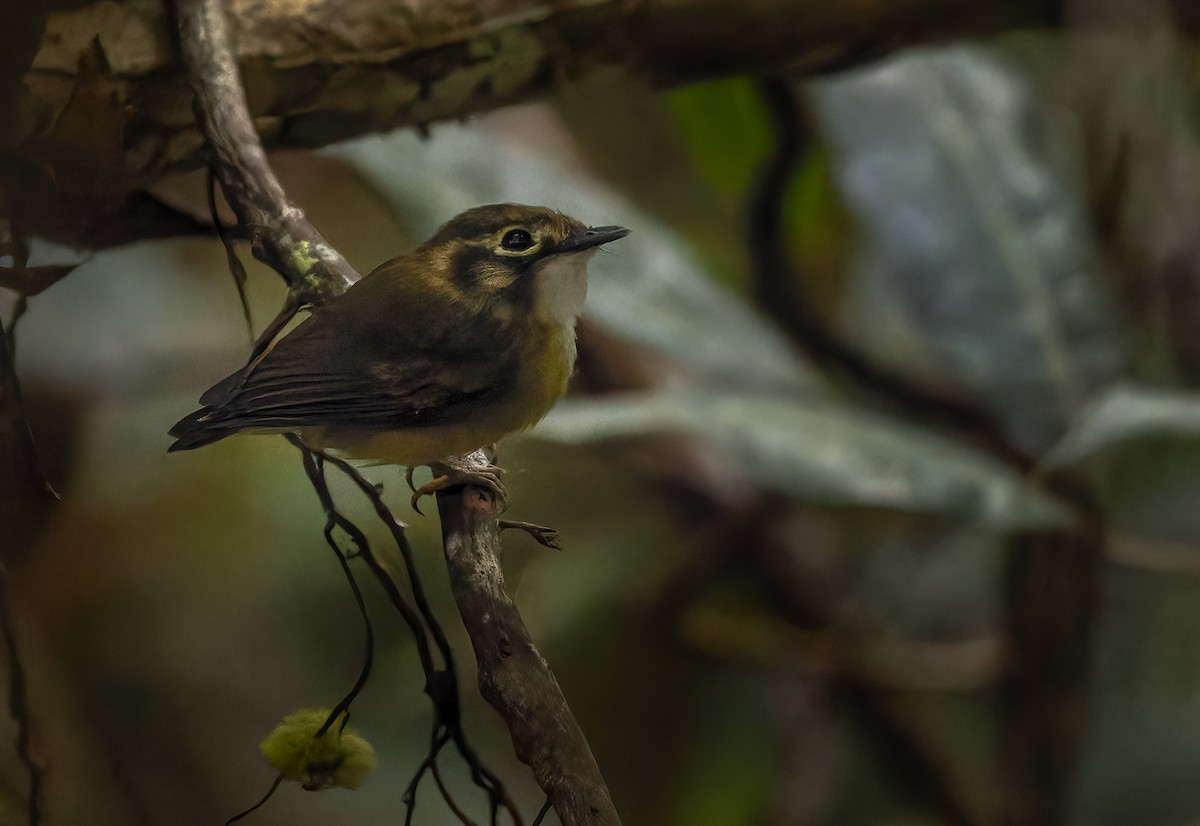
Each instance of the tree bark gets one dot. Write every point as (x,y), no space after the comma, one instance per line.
(103,109)
(513,677)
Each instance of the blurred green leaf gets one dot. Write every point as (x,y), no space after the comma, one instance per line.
(1123,415)
(649,288)
(823,452)
(991,253)
(725,130)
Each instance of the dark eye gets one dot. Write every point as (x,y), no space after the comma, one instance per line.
(516,240)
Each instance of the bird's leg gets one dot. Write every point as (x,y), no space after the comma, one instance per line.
(474,470)
(541,534)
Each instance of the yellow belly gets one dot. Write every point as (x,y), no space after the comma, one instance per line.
(542,378)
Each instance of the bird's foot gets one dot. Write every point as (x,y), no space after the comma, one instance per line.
(457,472)
(541,534)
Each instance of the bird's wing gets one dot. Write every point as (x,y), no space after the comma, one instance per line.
(326,373)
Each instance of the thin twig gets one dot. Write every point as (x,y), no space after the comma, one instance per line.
(262,801)
(437,740)
(542,812)
(18,701)
(449,799)
(410,616)
(440,684)
(369,655)
(484,778)
(236,268)
(396,528)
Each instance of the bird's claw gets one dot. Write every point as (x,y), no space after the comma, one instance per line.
(447,477)
(540,533)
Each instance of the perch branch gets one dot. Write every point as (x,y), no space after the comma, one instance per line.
(513,677)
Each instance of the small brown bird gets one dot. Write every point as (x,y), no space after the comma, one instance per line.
(433,354)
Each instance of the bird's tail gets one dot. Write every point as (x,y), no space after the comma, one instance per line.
(196,430)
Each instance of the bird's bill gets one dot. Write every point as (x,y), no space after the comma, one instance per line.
(592,237)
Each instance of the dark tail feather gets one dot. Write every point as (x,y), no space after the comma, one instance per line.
(195,430)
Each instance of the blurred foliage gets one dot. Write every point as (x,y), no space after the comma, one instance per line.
(817,630)
(727,151)
(823,453)
(991,254)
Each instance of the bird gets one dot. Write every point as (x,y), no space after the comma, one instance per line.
(433,354)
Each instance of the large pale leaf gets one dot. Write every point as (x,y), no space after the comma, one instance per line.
(984,244)
(649,288)
(1125,415)
(822,452)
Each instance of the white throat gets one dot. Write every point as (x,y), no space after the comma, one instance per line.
(561,288)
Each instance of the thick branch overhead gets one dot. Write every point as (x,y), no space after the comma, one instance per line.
(336,70)
(317,73)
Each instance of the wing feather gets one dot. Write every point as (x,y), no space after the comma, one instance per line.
(325,373)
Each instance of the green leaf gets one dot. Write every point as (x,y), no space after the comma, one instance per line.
(966,218)
(725,130)
(823,452)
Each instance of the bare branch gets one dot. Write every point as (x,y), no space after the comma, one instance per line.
(513,677)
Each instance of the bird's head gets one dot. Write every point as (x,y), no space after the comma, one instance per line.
(514,261)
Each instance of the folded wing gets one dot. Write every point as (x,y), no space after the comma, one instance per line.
(356,378)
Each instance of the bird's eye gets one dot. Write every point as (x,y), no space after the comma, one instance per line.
(516,240)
